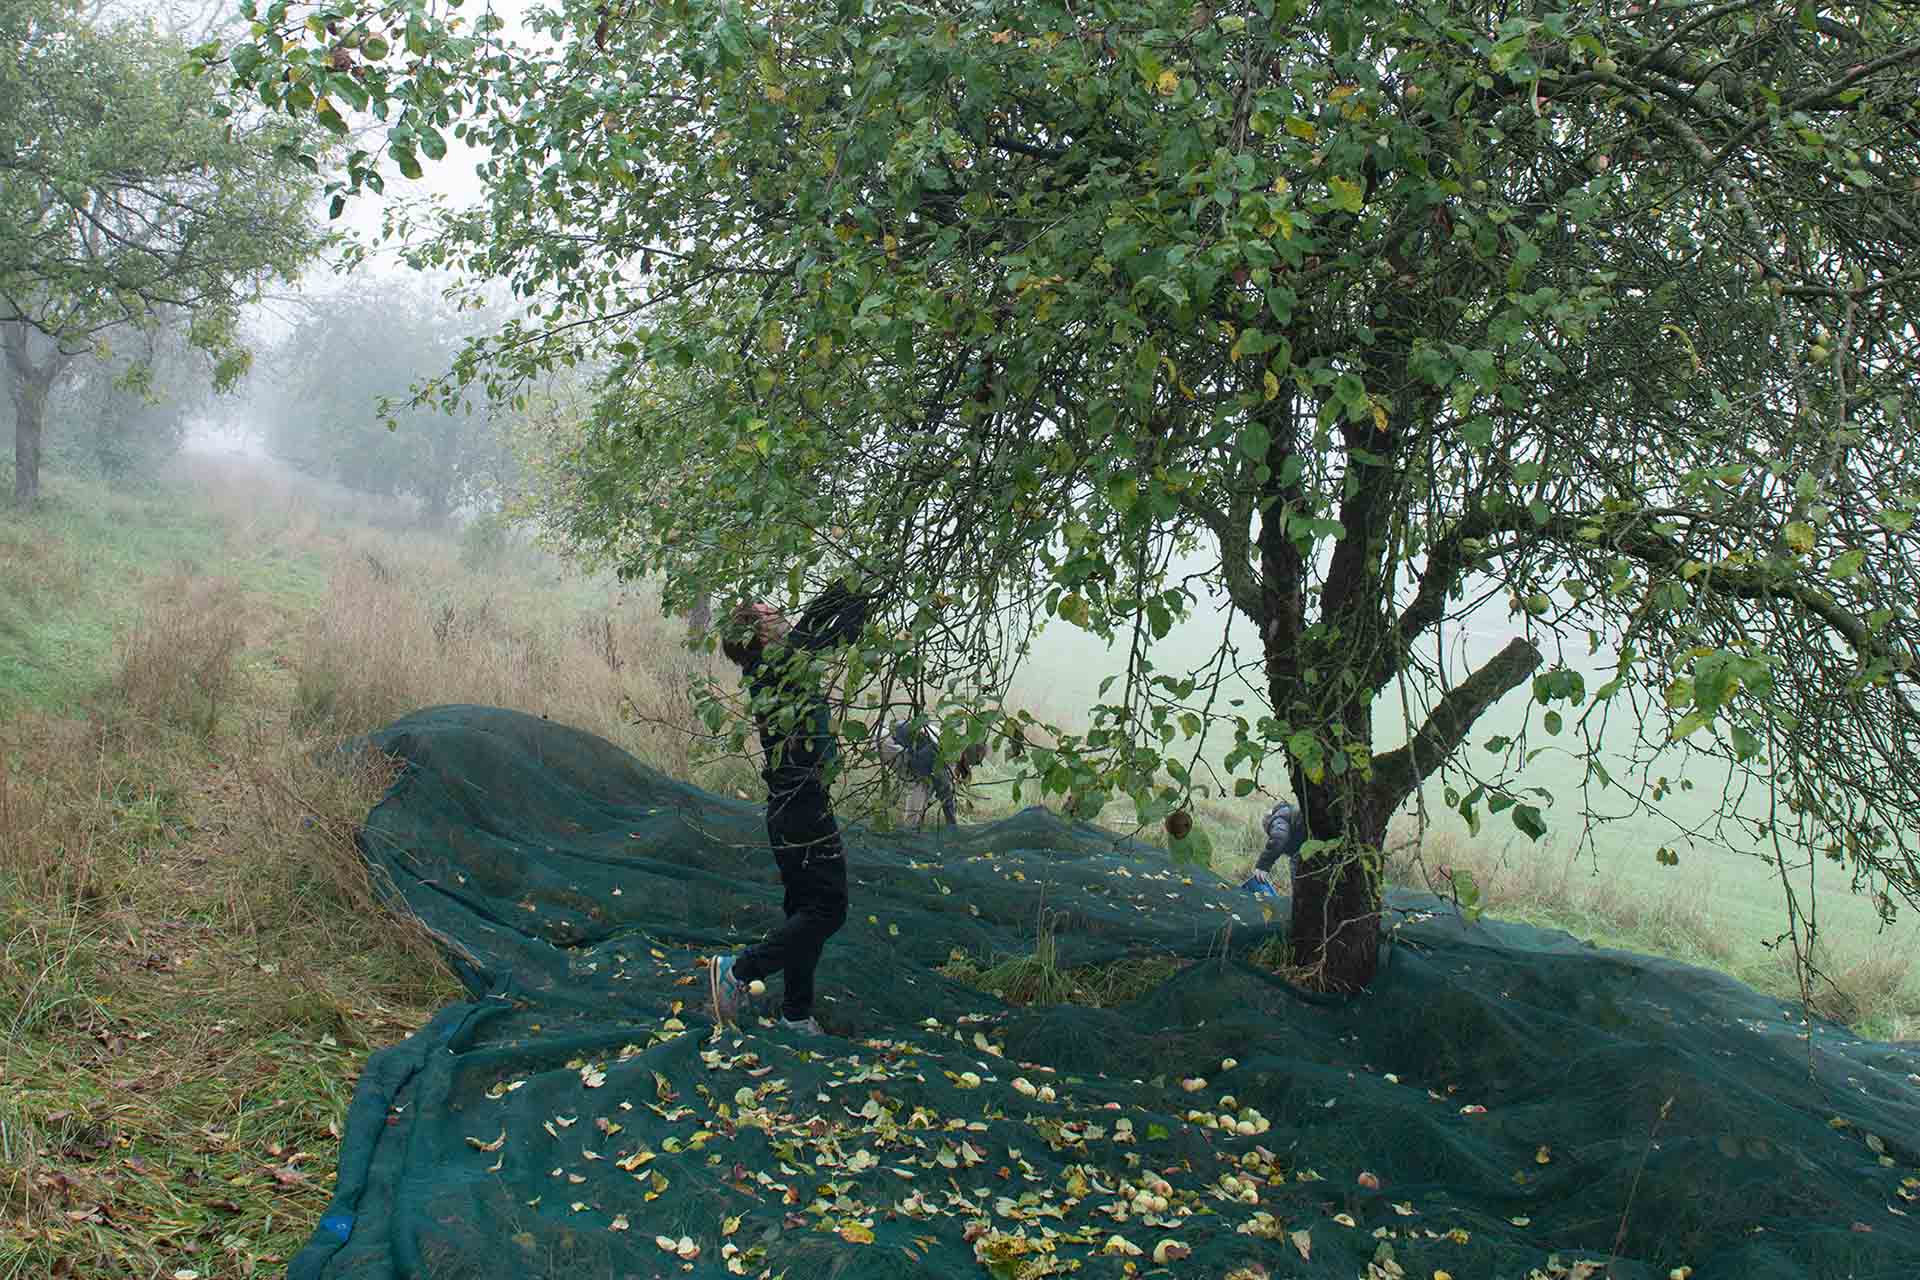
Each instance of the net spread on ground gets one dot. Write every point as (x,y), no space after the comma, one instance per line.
(1494,1107)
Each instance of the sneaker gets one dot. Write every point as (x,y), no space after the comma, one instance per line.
(807,1026)
(728,992)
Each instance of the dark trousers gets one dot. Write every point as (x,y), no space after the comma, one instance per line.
(813,870)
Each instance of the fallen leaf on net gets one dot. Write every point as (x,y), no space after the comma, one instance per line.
(1303,1241)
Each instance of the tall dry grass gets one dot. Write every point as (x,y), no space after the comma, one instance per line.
(177,659)
(1529,882)
(69,799)
(405,626)
(1873,983)
(262,503)
(301,816)
(36,571)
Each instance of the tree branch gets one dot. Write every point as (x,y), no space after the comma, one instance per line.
(1399,771)
(1232,530)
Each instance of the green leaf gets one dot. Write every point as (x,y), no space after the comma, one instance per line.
(1688,725)
(1305,748)
(1552,722)
(1847,564)
(1466,890)
(1254,440)
(1527,818)
(1799,536)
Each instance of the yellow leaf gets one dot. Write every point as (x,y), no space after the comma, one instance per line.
(1800,536)
(1280,185)
(1272,383)
(1379,417)
(1002,37)
(1168,84)
(495,1145)
(1303,1241)
(854,1233)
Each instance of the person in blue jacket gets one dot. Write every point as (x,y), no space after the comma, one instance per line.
(1286,829)
(796,731)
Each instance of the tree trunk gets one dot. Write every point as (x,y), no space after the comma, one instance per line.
(700,616)
(31,384)
(29,420)
(1336,897)
(1335,929)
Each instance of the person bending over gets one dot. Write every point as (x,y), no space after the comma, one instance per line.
(915,756)
(1286,829)
(796,732)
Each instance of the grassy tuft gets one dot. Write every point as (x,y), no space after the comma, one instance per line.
(177,661)
(1037,978)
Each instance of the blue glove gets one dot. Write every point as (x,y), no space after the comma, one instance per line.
(1260,883)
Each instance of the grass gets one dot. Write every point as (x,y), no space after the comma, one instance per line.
(1037,978)
(194,964)
(1704,918)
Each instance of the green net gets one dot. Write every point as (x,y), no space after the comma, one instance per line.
(1494,1107)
